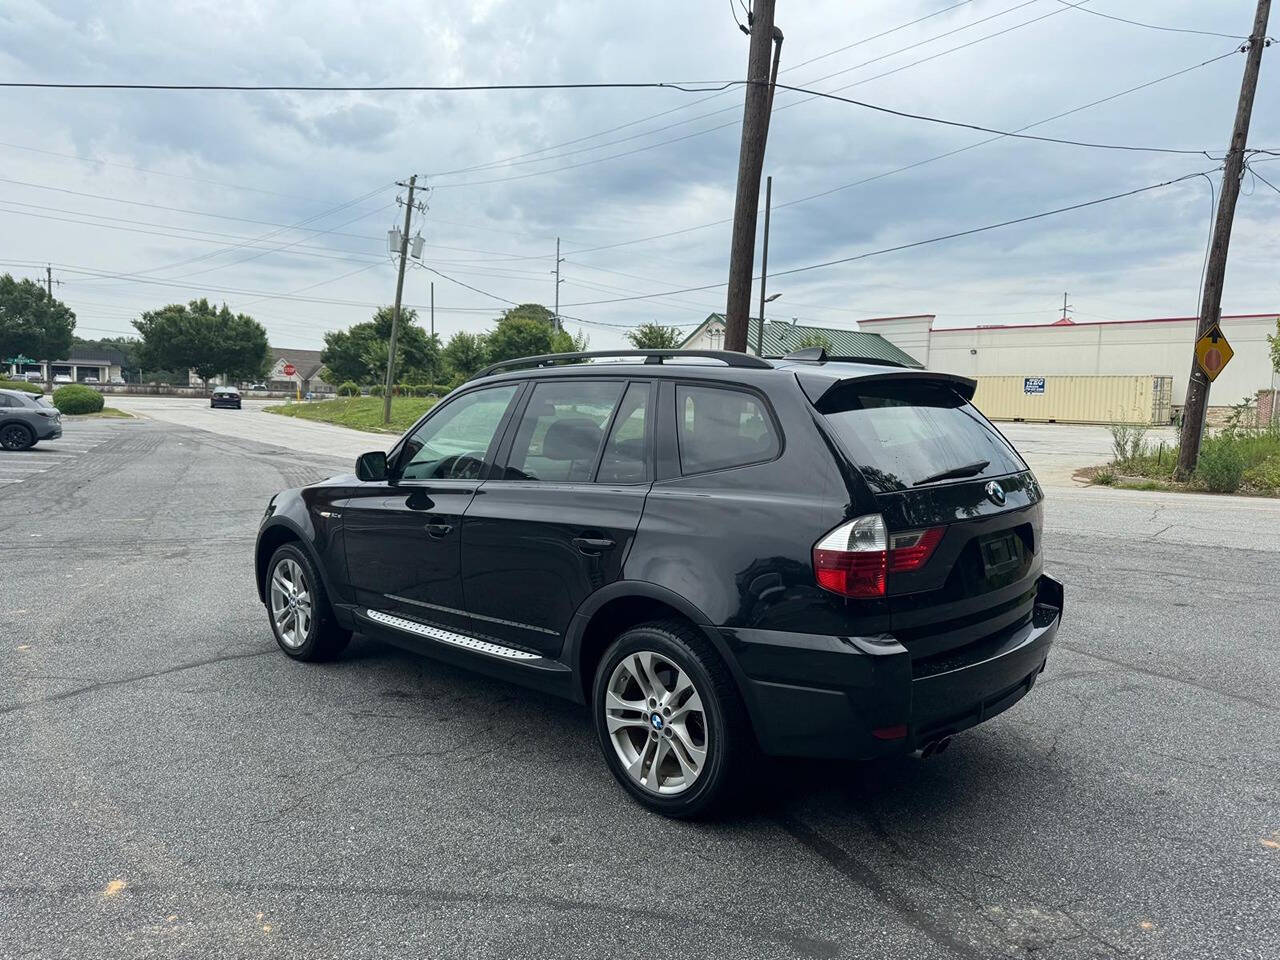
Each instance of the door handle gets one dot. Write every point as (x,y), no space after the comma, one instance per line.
(593,545)
(438,530)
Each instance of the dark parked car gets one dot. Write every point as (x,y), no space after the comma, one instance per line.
(26,419)
(806,556)
(225,397)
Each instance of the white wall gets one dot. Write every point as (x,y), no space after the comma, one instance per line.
(1161,348)
(911,334)
(711,337)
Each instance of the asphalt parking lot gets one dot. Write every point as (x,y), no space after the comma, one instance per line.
(175,787)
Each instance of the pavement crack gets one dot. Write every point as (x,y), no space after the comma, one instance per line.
(123,681)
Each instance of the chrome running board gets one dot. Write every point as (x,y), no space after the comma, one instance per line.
(451,638)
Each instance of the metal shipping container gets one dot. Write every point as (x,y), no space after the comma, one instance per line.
(1131,399)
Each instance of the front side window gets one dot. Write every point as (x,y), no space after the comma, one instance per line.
(721,428)
(453,444)
(562,430)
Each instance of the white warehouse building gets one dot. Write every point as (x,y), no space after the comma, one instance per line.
(1160,347)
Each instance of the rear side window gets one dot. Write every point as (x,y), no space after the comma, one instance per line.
(626,457)
(7,401)
(903,435)
(722,427)
(562,431)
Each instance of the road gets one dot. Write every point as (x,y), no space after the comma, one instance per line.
(175,787)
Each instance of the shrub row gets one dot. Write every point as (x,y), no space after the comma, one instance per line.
(20,385)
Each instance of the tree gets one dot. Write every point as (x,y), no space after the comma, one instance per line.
(360,353)
(527,331)
(654,336)
(200,338)
(464,354)
(812,340)
(31,323)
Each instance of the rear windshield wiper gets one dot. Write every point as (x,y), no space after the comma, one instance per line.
(955,473)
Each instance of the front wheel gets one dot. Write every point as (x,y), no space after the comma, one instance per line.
(301,618)
(670,721)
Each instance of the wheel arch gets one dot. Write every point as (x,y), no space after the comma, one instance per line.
(624,604)
(270,539)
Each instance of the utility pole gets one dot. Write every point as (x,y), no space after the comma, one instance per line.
(434,373)
(764,264)
(1065,306)
(757,106)
(48,276)
(1197,405)
(559,260)
(395,315)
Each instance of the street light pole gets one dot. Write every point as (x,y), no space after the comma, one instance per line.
(764,264)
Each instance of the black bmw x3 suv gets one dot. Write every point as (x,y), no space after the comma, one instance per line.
(721,555)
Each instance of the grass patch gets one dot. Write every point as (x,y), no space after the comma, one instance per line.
(108,413)
(359,413)
(1233,460)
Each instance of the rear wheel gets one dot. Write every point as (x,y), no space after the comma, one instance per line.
(301,617)
(17,436)
(670,720)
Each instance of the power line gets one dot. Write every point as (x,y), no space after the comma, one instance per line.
(513,160)
(908,246)
(1001,133)
(1150,26)
(917,163)
(1263,179)
(734,122)
(684,86)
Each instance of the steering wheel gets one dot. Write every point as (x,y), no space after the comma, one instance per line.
(467,466)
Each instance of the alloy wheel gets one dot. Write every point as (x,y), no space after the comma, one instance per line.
(656,722)
(290,603)
(13,437)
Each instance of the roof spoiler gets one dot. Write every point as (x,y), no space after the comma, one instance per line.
(819,387)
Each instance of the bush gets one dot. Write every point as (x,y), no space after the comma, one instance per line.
(348,388)
(1265,476)
(20,385)
(75,398)
(1128,442)
(425,390)
(1105,476)
(375,390)
(1221,465)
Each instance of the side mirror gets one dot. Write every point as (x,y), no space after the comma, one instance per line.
(372,466)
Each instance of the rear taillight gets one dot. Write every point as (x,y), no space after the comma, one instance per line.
(856,558)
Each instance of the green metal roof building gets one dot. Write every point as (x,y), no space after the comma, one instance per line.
(781,338)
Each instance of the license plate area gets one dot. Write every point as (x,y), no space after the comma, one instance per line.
(1001,555)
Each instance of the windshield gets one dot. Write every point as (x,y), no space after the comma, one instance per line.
(902,435)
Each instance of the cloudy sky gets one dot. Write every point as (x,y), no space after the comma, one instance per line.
(279,203)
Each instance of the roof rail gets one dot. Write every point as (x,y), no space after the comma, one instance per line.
(820,355)
(728,357)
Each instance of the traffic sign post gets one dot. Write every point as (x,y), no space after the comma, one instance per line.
(1213,352)
(289,370)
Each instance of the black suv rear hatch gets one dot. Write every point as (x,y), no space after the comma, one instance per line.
(931,461)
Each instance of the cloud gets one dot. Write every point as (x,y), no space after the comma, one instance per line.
(587,171)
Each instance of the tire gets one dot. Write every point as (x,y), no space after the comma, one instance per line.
(304,631)
(17,436)
(683,787)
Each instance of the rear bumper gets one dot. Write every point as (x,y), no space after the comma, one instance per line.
(51,432)
(862,697)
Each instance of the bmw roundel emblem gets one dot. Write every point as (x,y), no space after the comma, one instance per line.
(656,721)
(995,493)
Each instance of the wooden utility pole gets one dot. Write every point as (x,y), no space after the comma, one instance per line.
(1193,413)
(559,260)
(434,373)
(395,315)
(48,276)
(764,263)
(755,133)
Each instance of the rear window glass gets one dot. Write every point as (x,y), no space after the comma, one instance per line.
(721,428)
(903,435)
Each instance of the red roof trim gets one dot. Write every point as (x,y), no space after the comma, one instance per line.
(1098,323)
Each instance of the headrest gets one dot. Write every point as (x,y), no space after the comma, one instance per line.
(577,438)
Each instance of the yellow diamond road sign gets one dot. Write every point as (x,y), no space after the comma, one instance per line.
(1213,352)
